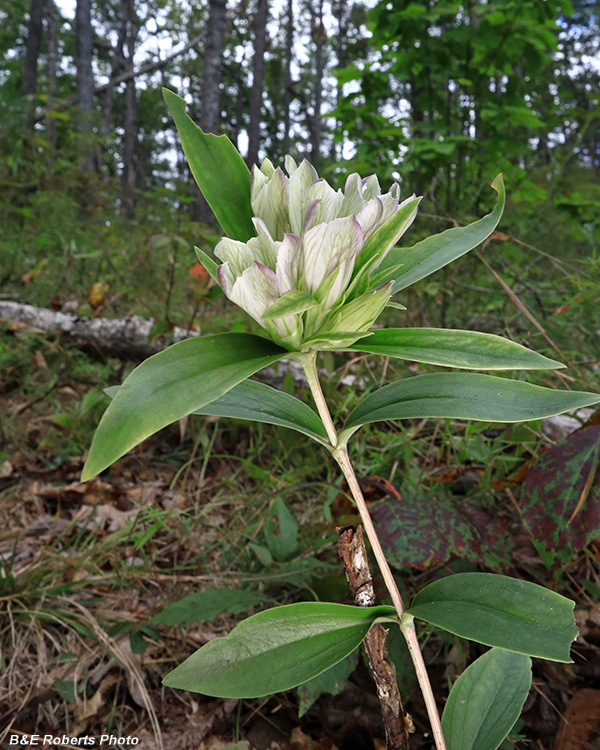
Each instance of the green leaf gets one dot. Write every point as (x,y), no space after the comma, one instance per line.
(206,606)
(436,252)
(67,689)
(172,384)
(219,170)
(262,403)
(208,263)
(276,650)
(281,531)
(500,611)
(290,304)
(466,396)
(450,348)
(387,234)
(486,701)
(332,682)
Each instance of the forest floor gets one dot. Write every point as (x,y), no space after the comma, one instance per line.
(106,586)
(101,582)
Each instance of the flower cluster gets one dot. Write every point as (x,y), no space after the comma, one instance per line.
(307,277)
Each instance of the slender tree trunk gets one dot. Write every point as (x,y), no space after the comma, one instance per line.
(212,66)
(287,91)
(239,112)
(32,50)
(51,56)
(320,39)
(339,9)
(85,76)
(130,123)
(418,118)
(258,74)
(116,65)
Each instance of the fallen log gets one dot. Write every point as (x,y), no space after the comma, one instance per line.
(126,338)
(121,337)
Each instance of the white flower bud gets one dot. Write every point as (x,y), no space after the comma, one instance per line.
(309,237)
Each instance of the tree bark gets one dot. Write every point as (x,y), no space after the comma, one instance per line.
(210,112)
(287,91)
(51,56)
(258,74)
(339,10)
(116,65)
(320,39)
(32,47)
(85,76)
(212,67)
(130,124)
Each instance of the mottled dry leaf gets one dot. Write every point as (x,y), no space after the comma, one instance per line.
(429,532)
(556,484)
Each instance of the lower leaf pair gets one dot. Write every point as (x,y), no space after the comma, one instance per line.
(286,646)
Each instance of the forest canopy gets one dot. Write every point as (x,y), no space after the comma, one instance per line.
(440,95)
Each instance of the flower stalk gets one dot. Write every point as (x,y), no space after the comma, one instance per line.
(406,621)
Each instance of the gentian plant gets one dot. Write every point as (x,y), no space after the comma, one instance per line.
(315,267)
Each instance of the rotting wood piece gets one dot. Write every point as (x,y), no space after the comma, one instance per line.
(127,338)
(398,725)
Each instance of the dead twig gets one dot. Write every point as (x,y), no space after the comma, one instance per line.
(398,725)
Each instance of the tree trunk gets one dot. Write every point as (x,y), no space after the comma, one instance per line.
(32,47)
(85,76)
(130,123)
(287,91)
(339,10)
(320,39)
(239,113)
(210,112)
(51,55)
(258,74)
(212,67)
(116,65)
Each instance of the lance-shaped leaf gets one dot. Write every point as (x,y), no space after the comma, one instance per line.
(172,384)
(276,650)
(219,170)
(500,611)
(469,350)
(466,396)
(208,263)
(486,701)
(386,236)
(292,303)
(437,251)
(258,402)
(261,403)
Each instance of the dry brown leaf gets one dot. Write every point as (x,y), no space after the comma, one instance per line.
(144,494)
(133,672)
(327,744)
(301,741)
(96,294)
(582,721)
(106,514)
(92,706)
